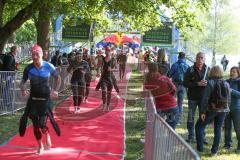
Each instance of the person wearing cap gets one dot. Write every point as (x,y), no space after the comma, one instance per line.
(78,67)
(39,105)
(177,72)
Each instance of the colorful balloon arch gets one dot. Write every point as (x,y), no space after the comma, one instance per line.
(120,39)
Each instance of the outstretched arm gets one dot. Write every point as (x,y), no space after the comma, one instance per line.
(23,82)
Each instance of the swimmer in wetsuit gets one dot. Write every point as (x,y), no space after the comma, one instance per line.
(39,106)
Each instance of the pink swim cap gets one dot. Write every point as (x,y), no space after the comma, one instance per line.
(37,48)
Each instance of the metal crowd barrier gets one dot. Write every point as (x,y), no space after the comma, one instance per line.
(11,98)
(161,141)
(7,88)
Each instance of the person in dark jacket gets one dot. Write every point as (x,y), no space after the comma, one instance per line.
(210,111)
(195,80)
(39,103)
(9,65)
(234,114)
(9,60)
(56,60)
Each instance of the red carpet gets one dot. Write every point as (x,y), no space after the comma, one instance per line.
(89,135)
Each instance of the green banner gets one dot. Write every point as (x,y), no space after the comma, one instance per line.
(158,36)
(76,33)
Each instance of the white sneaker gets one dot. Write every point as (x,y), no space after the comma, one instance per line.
(77,110)
(85,100)
(40,150)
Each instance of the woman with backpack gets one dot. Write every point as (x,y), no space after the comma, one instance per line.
(214,107)
(234,114)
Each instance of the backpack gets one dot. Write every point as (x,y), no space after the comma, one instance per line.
(2,57)
(180,71)
(220,95)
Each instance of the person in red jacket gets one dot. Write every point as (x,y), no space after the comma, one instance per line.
(163,90)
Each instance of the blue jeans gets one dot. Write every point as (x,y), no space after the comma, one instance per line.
(218,118)
(171,116)
(192,106)
(180,97)
(233,116)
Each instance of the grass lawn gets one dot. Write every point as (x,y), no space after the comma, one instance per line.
(135,124)
(223,154)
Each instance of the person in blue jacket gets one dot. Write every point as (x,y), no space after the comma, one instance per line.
(234,114)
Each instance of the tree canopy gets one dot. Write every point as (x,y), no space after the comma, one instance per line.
(138,14)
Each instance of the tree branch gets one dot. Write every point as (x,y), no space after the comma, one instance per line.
(2,4)
(21,17)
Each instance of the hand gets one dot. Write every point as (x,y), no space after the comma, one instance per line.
(25,93)
(54,94)
(203,116)
(202,83)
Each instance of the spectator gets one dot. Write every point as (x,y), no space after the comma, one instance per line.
(46,55)
(39,105)
(65,59)
(177,73)
(234,114)
(214,106)
(195,80)
(224,62)
(162,60)
(56,60)
(9,65)
(163,90)
(9,60)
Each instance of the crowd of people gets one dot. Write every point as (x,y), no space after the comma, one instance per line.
(217,99)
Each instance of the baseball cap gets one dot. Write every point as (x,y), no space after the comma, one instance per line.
(37,48)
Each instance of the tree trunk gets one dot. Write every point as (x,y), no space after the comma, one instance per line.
(16,22)
(214,58)
(43,27)
(2,4)
(3,41)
